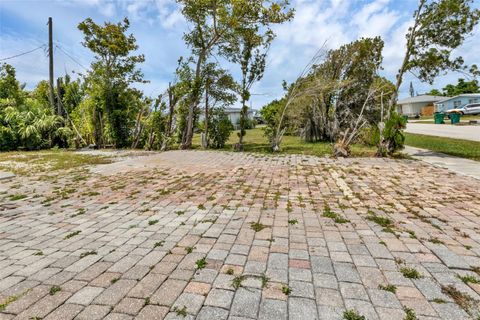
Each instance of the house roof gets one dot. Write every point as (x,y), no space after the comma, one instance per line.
(421,98)
(460,95)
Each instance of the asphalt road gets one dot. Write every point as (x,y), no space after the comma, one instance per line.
(449,131)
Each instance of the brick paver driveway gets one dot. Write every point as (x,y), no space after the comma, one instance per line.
(206,235)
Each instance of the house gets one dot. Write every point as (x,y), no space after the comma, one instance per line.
(419,105)
(457,101)
(233,115)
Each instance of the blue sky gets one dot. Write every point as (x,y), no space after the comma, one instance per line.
(158,26)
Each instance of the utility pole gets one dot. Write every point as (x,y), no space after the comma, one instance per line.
(50,64)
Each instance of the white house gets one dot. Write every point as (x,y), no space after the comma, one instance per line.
(233,114)
(418,105)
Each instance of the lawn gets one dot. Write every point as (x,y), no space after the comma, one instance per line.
(455,147)
(21,162)
(255,141)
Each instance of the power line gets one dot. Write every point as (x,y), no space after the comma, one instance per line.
(23,53)
(72,58)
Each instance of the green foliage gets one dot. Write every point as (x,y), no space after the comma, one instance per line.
(113,70)
(221,25)
(54,290)
(393,136)
(389,287)
(25,122)
(201,263)
(440,27)
(353,315)
(461,87)
(410,273)
(219,128)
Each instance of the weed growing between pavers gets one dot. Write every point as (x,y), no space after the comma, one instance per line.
(71,235)
(237,281)
(7,301)
(292,221)
(465,302)
(328,213)
(469,279)
(257,226)
(181,312)
(389,287)
(410,273)
(54,290)
(16,197)
(353,315)
(286,290)
(201,263)
(88,253)
(152,222)
(409,314)
(189,249)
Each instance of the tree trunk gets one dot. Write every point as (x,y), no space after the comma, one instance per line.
(205,135)
(188,136)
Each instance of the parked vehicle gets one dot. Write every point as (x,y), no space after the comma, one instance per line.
(471,108)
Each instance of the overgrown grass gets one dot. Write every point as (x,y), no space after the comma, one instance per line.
(455,147)
(255,141)
(24,162)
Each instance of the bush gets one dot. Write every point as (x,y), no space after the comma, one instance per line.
(219,128)
(393,133)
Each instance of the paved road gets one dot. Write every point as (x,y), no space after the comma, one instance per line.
(205,235)
(449,131)
(458,165)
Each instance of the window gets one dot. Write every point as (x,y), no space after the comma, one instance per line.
(457,103)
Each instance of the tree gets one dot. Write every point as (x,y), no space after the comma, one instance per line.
(25,122)
(10,88)
(330,95)
(219,128)
(214,22)
(112,71)
(412,90)
(461,87)
(439,27)
(249,50)
(219,88)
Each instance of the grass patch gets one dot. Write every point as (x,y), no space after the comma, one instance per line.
(158,244)
(455,147)
(286,290)
(237,281)
(22,163)
(410,273)
(152,222)
(328,213)
(293,221)
(88,253)
(72,234)
(389,287)
(255,141)
(15,197)
(54,290)
(353,315)
(181,312)
(257,226)
(469,279)
(201,263)
(462,299)
(409,314)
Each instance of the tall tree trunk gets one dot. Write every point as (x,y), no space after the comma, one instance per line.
(243,114)
(205,136)
(188,136)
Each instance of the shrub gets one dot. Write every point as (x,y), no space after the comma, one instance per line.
(219,128)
